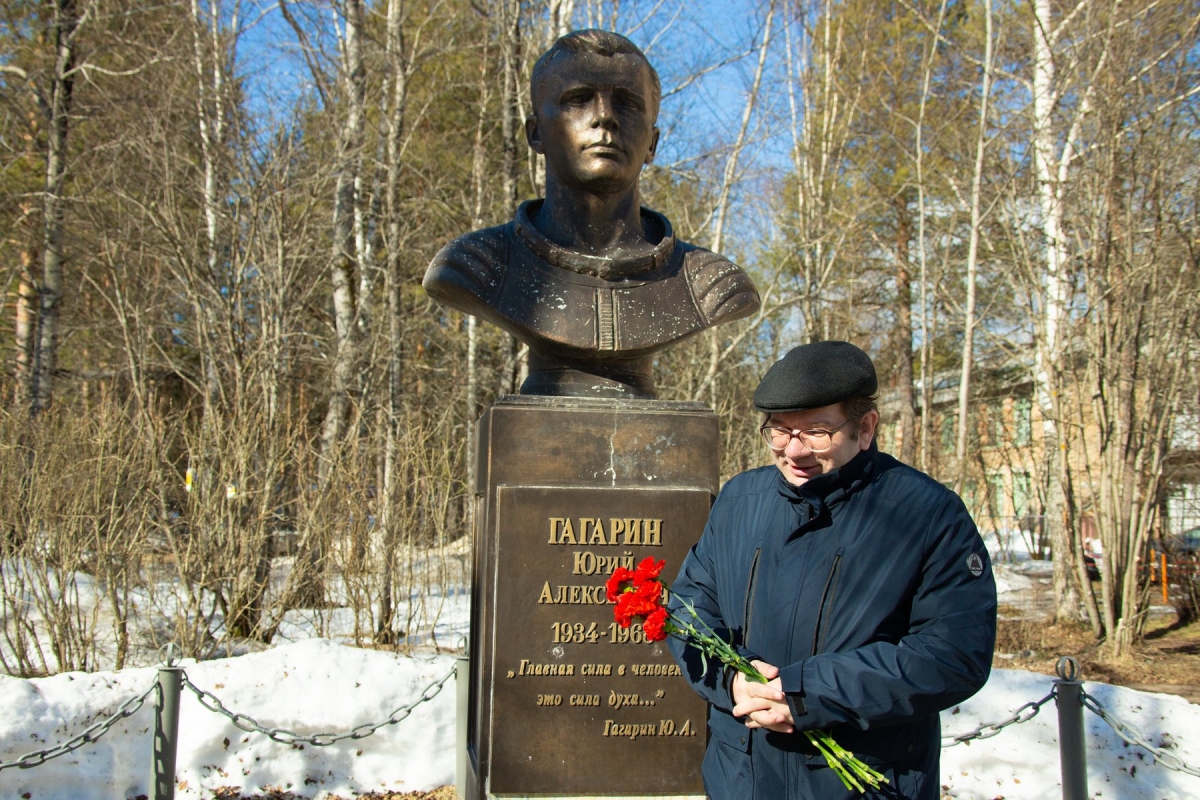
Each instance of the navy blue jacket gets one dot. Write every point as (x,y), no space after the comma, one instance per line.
(871,589)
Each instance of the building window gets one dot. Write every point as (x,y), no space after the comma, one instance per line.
(995,486)
(1183,508)
(1022,420)
(995,424)
(1021,493)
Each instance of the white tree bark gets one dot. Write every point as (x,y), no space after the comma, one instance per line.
(209,62)
(345,256)
(968,348)
(1052,163)
(927,295)
(66,26)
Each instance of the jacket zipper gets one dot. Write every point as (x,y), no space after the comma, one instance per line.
(748,606)
(827,596)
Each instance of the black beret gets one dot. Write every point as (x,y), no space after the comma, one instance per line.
(816,375)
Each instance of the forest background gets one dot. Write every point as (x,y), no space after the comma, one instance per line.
(226,398)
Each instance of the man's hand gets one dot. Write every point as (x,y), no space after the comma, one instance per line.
(762,704)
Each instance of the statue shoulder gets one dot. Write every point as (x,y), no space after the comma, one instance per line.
(722,290)
(470,269)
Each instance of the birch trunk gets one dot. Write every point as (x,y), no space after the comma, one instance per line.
(927,340)
(1051,169)
(902,333)
(45,339)
(396,102)
(478,153)
(25,330)
(345,253)
(307,586)
(968,348)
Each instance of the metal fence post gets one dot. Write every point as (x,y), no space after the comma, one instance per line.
(462,685)
(1072,741)
(166,728)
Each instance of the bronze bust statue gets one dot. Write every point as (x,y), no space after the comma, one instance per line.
(591,281)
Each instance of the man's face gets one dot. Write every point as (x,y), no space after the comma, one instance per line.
(594,121)
(799,464)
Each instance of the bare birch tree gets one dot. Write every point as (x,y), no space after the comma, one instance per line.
(821,119)
(345,256)
(1137,230)
(40,296)
(1054,139)
(976,207)
(927,290)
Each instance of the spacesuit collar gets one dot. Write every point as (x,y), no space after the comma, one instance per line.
(641,267)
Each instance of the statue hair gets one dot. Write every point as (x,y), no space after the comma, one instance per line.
(591,40)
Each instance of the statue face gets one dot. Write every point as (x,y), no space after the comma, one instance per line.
(594,121)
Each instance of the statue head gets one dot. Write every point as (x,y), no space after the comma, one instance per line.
(595,103)
(592,282)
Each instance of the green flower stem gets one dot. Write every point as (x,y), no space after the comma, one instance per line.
(844,756)
(822,741)
(852,772)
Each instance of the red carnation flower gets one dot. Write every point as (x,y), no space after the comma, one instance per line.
(650,591)
(626,610)
(648,570)
(613,586)
(655,625)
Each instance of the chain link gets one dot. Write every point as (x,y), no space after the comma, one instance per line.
(1132,736)
(92,734)
(284,736)
(990,729)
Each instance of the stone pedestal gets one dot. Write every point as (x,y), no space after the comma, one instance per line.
(563,702)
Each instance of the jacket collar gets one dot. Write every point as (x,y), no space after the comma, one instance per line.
(835,486)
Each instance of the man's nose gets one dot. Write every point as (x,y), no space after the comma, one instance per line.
(795,448)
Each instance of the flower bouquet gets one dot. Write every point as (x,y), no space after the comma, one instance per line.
(640,594)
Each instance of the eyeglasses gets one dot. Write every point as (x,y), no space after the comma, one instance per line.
(817,440)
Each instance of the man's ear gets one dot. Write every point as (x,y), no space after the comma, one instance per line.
(867,428)
(533,134)
(653,147)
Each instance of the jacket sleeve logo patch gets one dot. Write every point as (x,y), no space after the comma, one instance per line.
(975,564)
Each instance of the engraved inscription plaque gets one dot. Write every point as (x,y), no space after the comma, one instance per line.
(597,704)
(563,702)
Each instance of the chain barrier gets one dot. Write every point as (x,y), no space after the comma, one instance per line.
(284,736)
(990,729)
(210,701)
(1132,736)
(92,734)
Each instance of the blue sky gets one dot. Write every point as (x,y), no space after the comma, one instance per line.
(681,38)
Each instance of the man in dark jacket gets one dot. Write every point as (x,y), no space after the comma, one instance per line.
(859,586)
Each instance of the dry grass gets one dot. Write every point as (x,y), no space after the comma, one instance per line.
(1167,657)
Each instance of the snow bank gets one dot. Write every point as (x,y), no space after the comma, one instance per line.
(319,686)
(309,687)
(1021,763)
